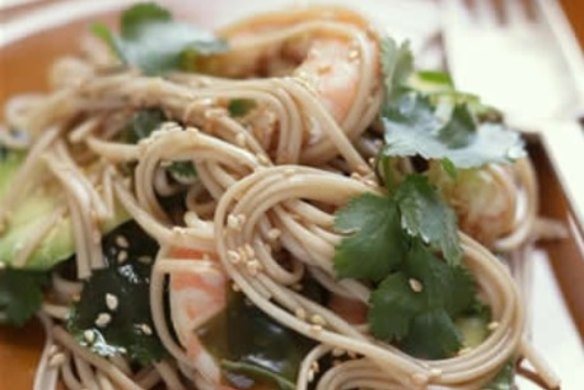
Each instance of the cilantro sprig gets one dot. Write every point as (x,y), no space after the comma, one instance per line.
(155,43)
(405,244)
(422,317)
(391,239)
(423,115)
(21,295)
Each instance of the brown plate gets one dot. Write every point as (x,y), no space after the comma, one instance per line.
(23,68)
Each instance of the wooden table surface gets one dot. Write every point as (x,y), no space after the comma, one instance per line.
(575,11)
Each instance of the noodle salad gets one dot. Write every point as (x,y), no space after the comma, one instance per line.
(286,203)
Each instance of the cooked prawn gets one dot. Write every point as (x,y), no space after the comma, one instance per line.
(196,296)
(484,200)
(331,51)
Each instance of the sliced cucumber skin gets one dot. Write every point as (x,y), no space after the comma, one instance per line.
(59,244)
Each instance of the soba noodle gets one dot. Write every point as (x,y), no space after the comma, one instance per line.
(266,184)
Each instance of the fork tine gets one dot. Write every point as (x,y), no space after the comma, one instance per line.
(486,13)
(515,12)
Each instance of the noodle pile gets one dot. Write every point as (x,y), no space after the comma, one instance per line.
(266,184)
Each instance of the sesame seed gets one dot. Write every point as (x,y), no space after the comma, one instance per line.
(122,256)
(336,352)
(253,267)
(435,372)
(274,234)
(103,319)
(415,285)
(89,336)
(353,54)
(310,375)
(111,301)
(289,171)
(233,256)
(235,287)
(236,222)
(300,313)
(493,325)
(318,320)
(180,230)
(122,242)
(233,222)
(147,330)
(57,360)
(356,176)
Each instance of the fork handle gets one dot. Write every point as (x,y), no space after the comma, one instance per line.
(564,143)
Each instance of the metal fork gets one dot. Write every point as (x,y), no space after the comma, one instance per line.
(510,59)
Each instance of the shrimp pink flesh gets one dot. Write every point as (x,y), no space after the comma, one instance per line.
(196,296)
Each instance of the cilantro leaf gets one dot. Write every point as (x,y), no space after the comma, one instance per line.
(451,288)
(21,295)
(152,41)
(133,18)
(375,242)
(128,282)
(182,170)
(142,124)
(434,80)
(449,168)
(415,318)
(414,126)
(418,132)
(240,107)
(460,130)
(425,215)
(397,64)
(432,335)
(393,307)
